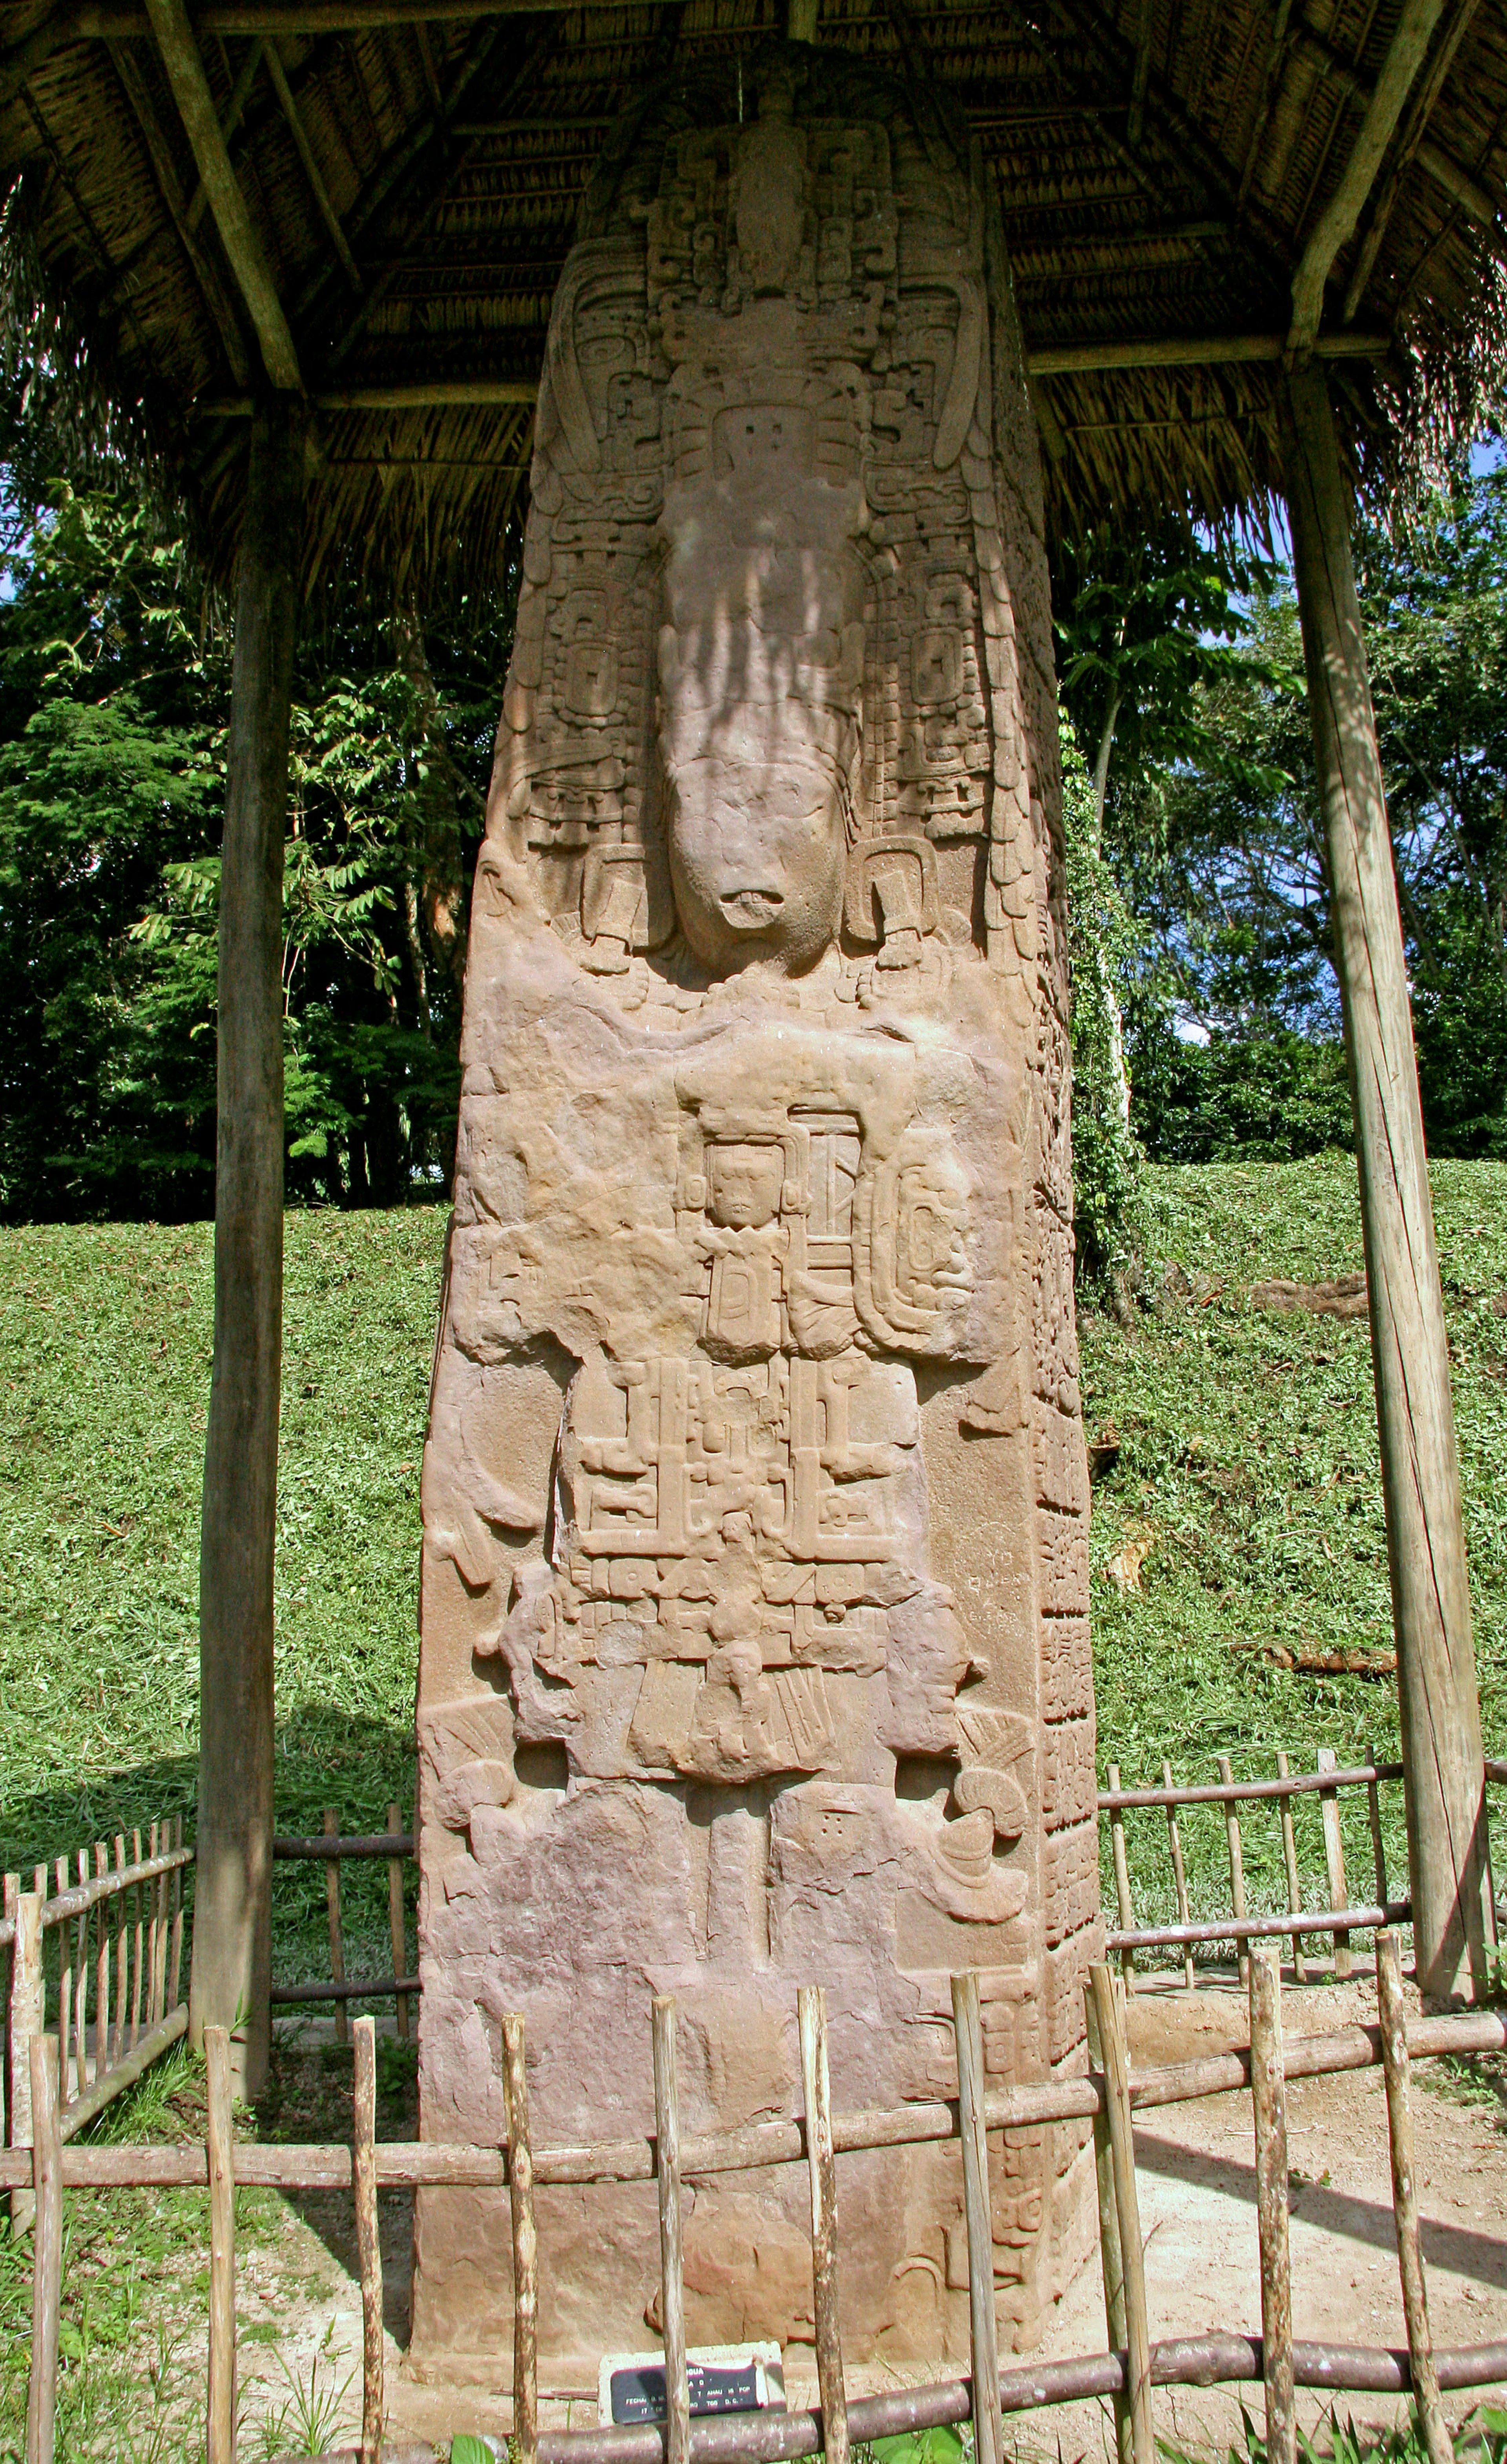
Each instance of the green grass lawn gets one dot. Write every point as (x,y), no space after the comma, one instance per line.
(1247,1462)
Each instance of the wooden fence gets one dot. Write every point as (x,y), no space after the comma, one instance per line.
(331,1847)
(1338,1918)
(104,1952)
(1108,2096)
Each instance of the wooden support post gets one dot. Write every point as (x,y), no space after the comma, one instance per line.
(337,1932)
(967,2027)
(395,1920)
(47,2250)
(1294,1887)
(525,2242)
(231,1978)
(368,2237)
(81,1989)
(1109,2016)
(25,2021)
(1269,2104)
(671,2272)
(1237,1869)
(1437,1684)
(1122,1899)
(1185,1914)
(1334,1859)
(800,21)
(221,2438)
(821,2158)
(1405,2200)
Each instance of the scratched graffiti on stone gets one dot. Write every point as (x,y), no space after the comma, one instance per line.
(754,1609)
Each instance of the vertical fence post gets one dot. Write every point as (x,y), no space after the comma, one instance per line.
(1294,1887)
(369,2236)
(123,1954)
(1237,1869)
(47,2250)
(221,2441)
(989,2436)
(1179,1878)
(1110,2013)
(177,1916)
(1334,1858)
(1268,2106)
(1373,1807)
(12,1894)
(525,2241)
(336,1937)
(1111,2257)
(154,1929)
(81,1988)
(672,2275)
(102,1971)
(1405,2199)
(821,2159)
(163,1887)
(140,1943)
(395,1920)
(28,1991)
(65,1988)
(1122,1899)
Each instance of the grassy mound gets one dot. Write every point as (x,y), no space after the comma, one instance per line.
(1245,1502)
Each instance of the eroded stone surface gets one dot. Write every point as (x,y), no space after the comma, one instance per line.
(755,1641)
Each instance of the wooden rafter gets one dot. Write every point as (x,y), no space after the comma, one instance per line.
(1425,94)
(1336,225)
(164,171)
(310,162)
(190,88)
(241,94)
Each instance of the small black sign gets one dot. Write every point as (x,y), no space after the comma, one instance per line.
(639,2394)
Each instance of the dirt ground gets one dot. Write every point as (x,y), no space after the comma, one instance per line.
(1196,2186)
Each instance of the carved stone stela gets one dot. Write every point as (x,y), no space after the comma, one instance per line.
(755,1646)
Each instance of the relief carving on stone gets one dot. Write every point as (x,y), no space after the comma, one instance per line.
(731,1531)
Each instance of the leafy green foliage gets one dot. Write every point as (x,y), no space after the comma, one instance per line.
(1220,851)
(114,709)
(1106,1158)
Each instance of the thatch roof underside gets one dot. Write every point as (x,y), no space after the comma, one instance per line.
(412,188)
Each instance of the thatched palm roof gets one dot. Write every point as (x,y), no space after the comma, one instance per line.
(406,185)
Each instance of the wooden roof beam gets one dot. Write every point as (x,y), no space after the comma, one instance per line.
(1451,176)
(1061,360)
(123,19)
(1425,94)
(191,90)
(1336,225)
(129,70)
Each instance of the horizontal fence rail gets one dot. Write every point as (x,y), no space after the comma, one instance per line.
(1106,2095)
(1339,1920)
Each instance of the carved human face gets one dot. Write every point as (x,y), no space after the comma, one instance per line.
(757,853)
(744,1184)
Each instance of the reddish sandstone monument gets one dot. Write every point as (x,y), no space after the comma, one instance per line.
(755,1645)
